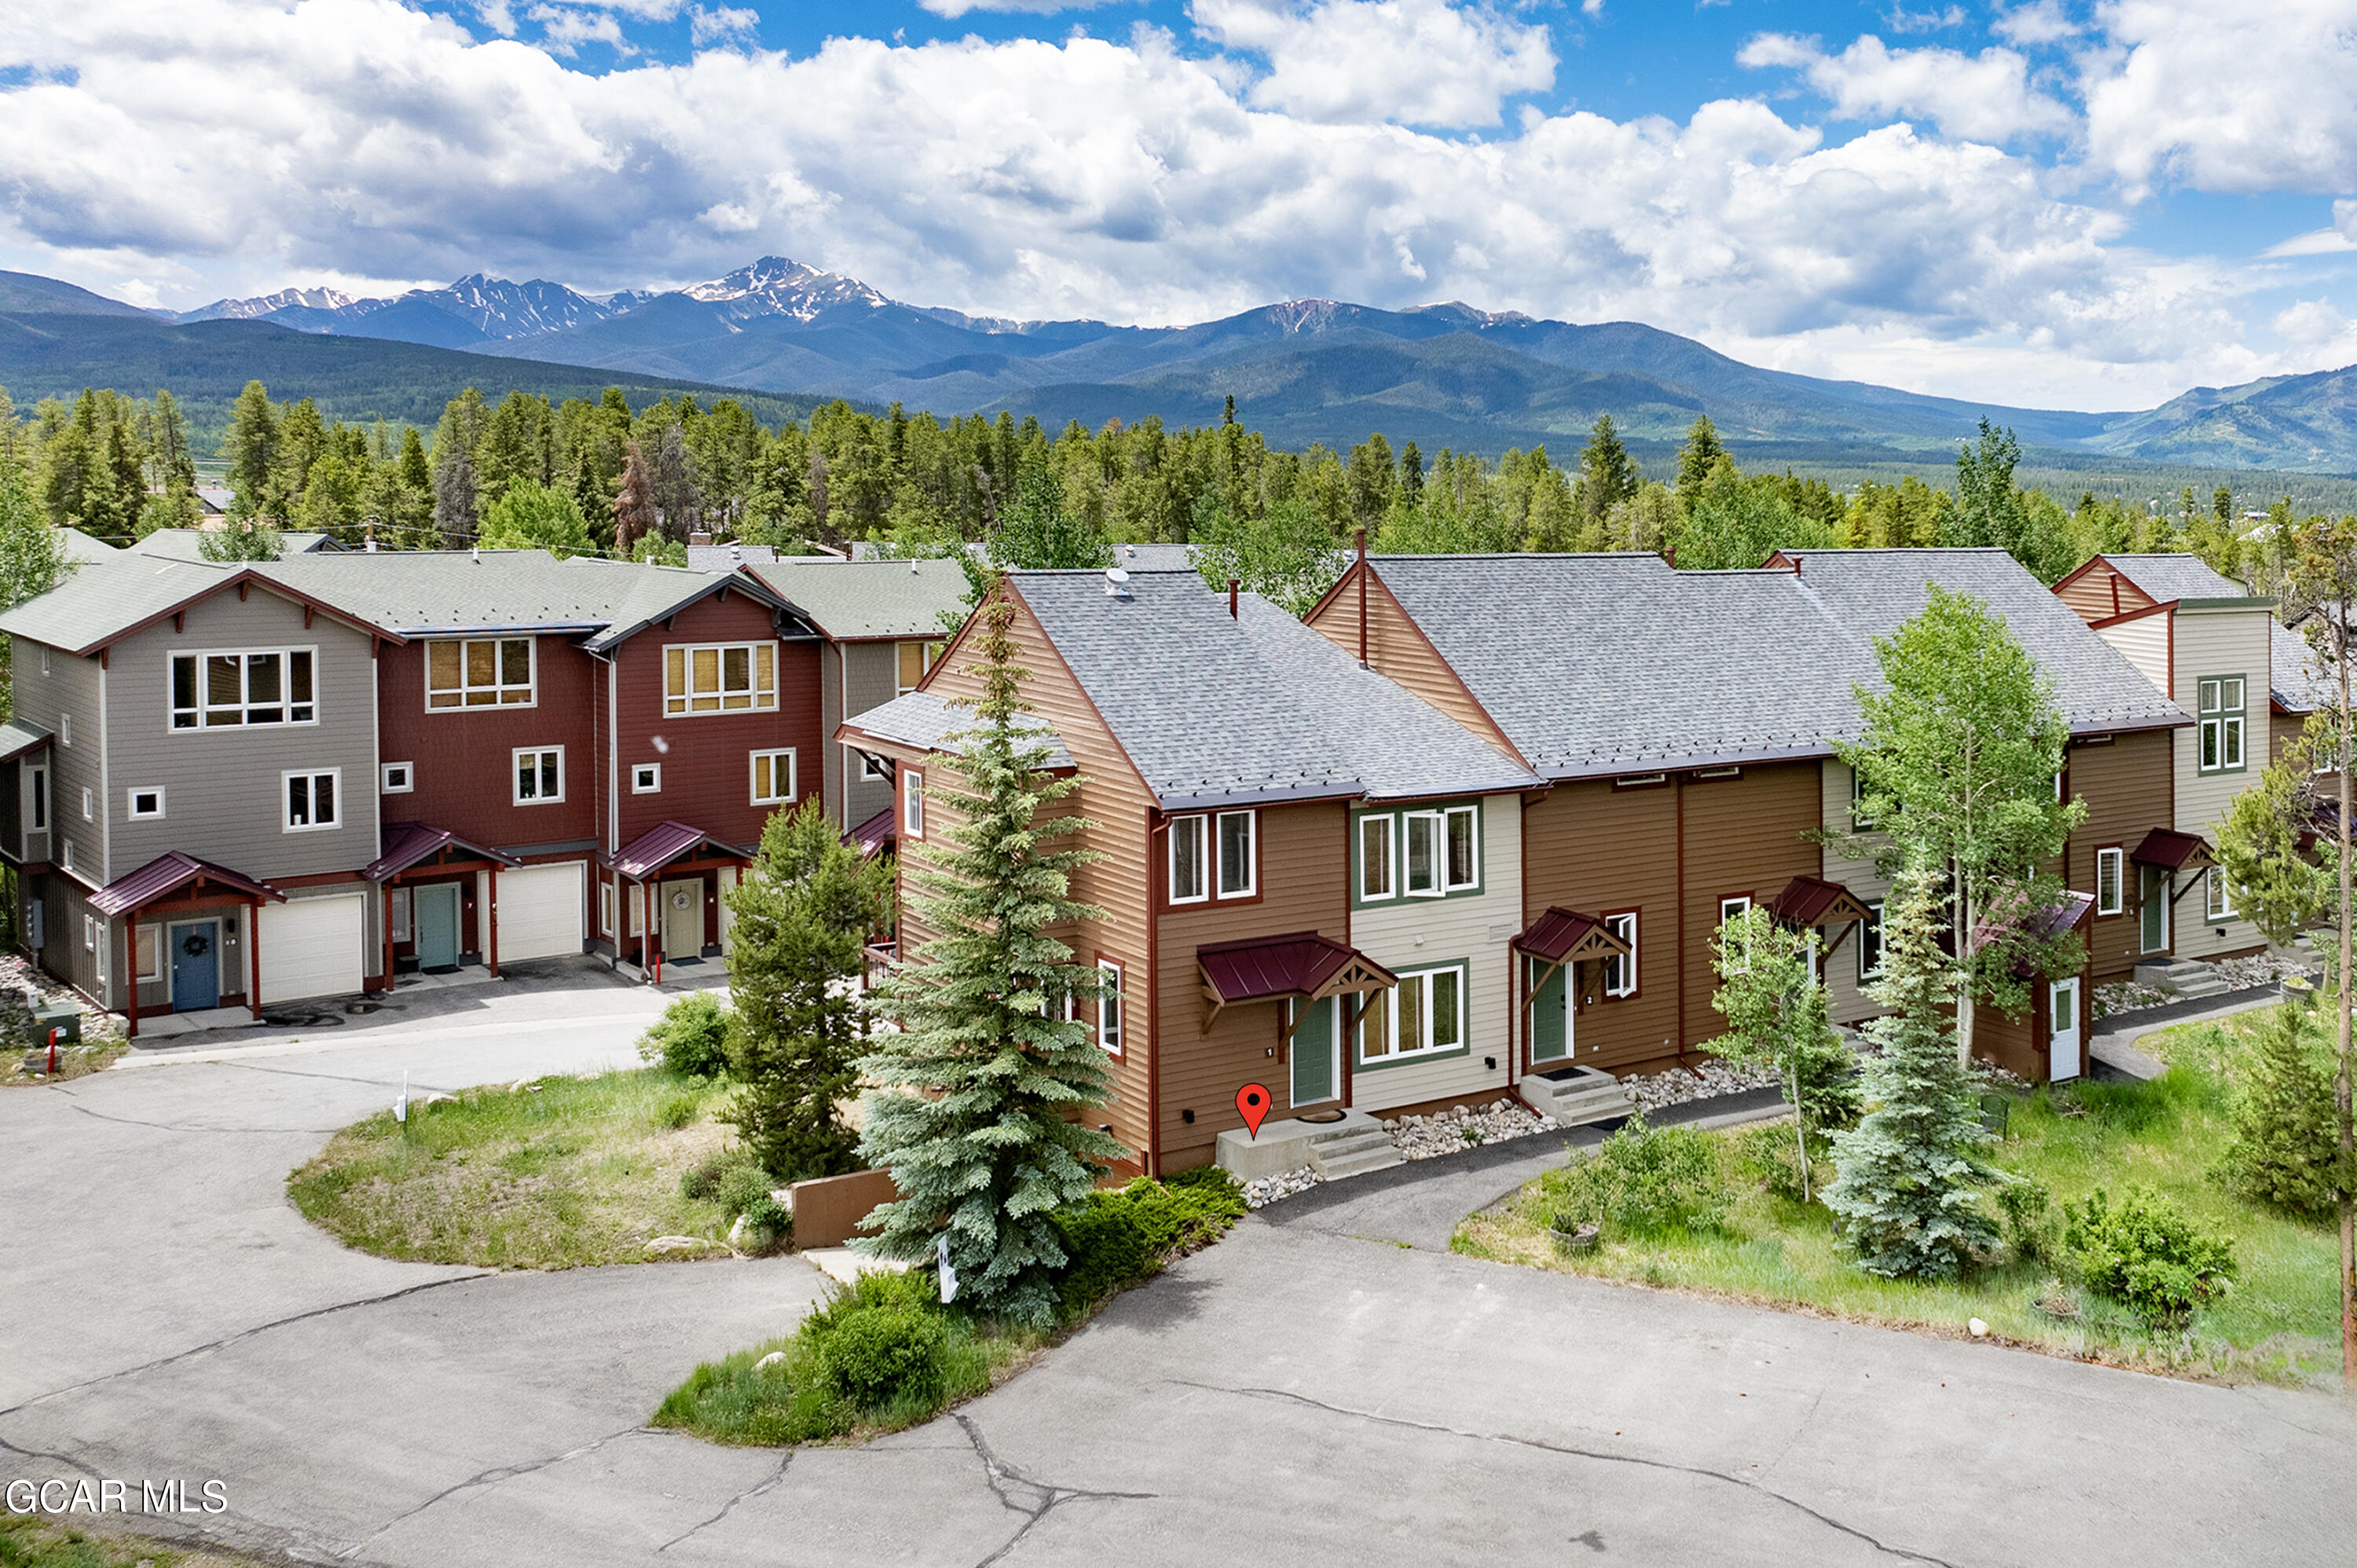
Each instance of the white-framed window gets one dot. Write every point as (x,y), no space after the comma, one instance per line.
(1620,973)
(1869,942)
(2223,718)
(397,778)
(65,730)
(646,777)
(1858,816)
(2217,897)
(45,659)
(2111,881)
(90,934)
(144,803)
(313,800)
(874,770)
(65,854)
(773,776)
(37,787)
(912,803)
(89,809)
(148,954)
(1461,867)
(719,678)
(605,908)
(1422,1016)
(101,955)
(1378,858)
(480,672)
(1424,869)
(1238,833)
(233,690)
(1109,1019)
(401,903)
(915,659)
(638,902)
(1191,868)
(539,775)
(1735,908)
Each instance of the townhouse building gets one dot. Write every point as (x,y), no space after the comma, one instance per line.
(2206,643)
(248,785)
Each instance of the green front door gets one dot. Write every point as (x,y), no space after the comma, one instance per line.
(1316,1071)
(1550,1012)
(2155,888)
(436,908)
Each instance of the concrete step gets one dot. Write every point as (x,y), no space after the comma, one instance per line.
(1352,1147)
(1581,1096)
(1335,1168)
(1355,1141)
(2174,974)
(2207,985)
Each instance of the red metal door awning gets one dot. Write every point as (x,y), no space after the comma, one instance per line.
(1814,901)
(2173,851)
(1271,968)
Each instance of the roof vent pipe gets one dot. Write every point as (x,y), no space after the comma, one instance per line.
(1233,584)
(478,554)
(1116,584)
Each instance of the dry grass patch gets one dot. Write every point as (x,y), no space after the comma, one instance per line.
(561,1173)
(39,1540)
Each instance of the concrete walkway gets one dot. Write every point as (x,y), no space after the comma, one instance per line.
(1293,1395)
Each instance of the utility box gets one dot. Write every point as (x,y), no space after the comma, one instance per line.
(55,1015)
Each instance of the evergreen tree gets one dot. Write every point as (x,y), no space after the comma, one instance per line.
(32,558)
(803,914)
(1988,509)
(1697,459)
(974,1108)
(1607,475)
(678,500)
(1906,1181)
(2285,1124)
(252,449)
(634,504)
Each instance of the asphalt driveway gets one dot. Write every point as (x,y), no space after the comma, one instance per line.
(1327,1388)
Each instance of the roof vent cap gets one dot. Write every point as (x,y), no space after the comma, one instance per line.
(1116,584)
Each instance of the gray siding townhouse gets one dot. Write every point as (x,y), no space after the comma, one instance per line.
(193,766)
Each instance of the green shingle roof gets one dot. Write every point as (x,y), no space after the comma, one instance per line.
(851,600)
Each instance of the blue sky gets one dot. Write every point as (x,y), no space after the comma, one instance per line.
(2061,202)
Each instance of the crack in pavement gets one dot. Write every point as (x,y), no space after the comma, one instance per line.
(229,1339)
(490,1477)
(65,1459)
(749,1493)
(1048,1495)
(1600,1456)
(169,1127)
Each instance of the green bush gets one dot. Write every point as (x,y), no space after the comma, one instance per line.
(677,1110)
(875,1356)
(742,1184)
(1118,1238)
(2030,1223)
(691,1037)
(766,1213)
(1770,1155)
(2286,1136)
(2146,1253)
(1642,1181)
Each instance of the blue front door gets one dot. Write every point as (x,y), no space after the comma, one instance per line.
(196,966)
(438,924)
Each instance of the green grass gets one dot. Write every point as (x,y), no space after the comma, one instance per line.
(2279,1323)
(35,1540)
(564,1173)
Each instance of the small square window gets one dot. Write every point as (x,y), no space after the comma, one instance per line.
(539,775)
(773,778)
(646,777)
(874,770)
(399,778)
(146,803)
(313,800)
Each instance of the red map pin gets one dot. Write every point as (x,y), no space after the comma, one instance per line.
(1252,1101)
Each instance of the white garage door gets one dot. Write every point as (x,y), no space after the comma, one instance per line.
(312,947)
(539,911)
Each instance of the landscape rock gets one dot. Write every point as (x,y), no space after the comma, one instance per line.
(771,1359)
(1460,1127)
(1266,1190)
(662,1245)
(1707,1080)
(1979,1329)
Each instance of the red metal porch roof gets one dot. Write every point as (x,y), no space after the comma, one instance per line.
(665,842)
(406,843)
(1300,964)
(1560,936)
(1814,901)
(2175,851)
(870,837)
(168,873)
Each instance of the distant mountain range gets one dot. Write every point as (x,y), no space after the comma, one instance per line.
(1302,370)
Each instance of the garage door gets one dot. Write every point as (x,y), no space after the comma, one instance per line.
(539,911)
(312,947)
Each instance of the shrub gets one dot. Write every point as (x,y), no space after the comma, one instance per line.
(1642,1181)
(874,1355)
(1769,1155)
(742,1184)
(702,1180)
(2146,1254)
(2285,1145)
(1118,1238)
(766,1213)
(678,1108)
(2029,1219)
(691,1037)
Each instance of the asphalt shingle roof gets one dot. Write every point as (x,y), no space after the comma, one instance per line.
(925,721)
(849,600)
(2296,677)
(103,599)
(2165,578)
(188,543)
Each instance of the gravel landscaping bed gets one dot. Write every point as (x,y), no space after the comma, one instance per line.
(23,987)
(1285,1184)
(1454,1130)
(1706,1081)
(2239,974)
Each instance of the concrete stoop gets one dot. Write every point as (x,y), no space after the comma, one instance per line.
(1351,1146)
(2187,977)
(1575,1096)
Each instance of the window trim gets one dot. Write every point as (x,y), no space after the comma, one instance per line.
(131,803)
(682,706)
(912,802)
(646,777)
(928,652)
(1117,999)
(1436,823)
(606,899)
(153,933)
(384,778)
(88,805)
(1389,822)
(1220,889)
(793,775)
(515,775)
(1877,907)
(2229,724)
(1472,814)
(1197,824)
(2118,856)
(172,709)
(1395,1057)
(1742,903)
(532,678)
(37,797)
(2218,898)
(1636,986)
(286,824)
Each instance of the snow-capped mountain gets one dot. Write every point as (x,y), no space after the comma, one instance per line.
(775,286)
(266,303)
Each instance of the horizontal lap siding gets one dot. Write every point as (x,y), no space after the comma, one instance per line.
(2102,594)
(2126,785)
(463,760)
(871,678)
(1396,648)
(2145,644)
(1742,835)
(2217,642)
(1845,993)
(1591,849)
(1304,882)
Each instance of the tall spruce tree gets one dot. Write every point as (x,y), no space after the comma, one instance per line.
(978,1107)
(1906,1185)
(803,916)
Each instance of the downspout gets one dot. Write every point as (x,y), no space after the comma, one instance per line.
(1154,1013)
(1680,933)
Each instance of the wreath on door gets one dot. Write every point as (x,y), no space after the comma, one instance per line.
(679,900)
(196,944)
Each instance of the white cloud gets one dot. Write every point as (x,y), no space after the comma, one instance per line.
(1986,97)
(1899,19)
(2311,323)
(956,8)
(564,31)
(2041,22)
(722,22)
(1414,62)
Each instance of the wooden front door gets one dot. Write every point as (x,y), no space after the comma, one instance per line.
(683,919)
